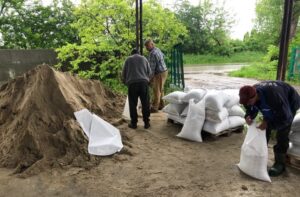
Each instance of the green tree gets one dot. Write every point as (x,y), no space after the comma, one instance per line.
(268,23)
(106,29)
(208,27)
(27,25)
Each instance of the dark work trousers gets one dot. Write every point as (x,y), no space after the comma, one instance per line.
(135,91)
(282,138)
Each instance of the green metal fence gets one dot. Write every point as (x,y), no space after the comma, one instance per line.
(294,68)
(174,61)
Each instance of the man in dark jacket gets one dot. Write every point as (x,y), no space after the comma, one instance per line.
(136,75)
(278,103)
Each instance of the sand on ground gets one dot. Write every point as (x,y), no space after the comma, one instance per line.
(156,163)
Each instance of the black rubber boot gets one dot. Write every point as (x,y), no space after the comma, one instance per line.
(279,166)
(133,126)
(146,125)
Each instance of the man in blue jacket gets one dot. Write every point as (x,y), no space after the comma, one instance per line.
(136,75)
(278,103)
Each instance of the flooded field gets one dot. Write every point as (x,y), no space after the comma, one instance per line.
(214,77)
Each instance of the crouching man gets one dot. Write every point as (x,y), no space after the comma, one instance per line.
(278,103)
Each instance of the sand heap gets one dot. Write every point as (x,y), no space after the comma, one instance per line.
(37,125)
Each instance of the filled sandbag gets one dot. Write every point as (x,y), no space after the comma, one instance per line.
(236,110)
(174,109)
(126,112)
(175,118)
(233,97)
(185,111)
(294,150)
(216,116)
(196,94)
(296,122)
(215,100)
(295,137)
(193,124)
(216,127)
(175,97)
(254,154)
(236,121)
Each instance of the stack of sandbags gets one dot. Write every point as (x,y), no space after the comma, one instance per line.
(222,111)
(175,106)
(221,108)
(295,137)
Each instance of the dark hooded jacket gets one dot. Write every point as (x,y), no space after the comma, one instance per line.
(278,103)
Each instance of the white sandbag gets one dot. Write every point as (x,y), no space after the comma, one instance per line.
(216,116)
(236,121)
(296,123)
(254,154)
(175,97)
(84,117)
(126,112)
(215,100)
(236,110)
(234,97)
(196,94)
(174,109)
(193,124)
(185,111)
(104,139)
(187,89)
(294,150)
(215,128)
(175,118)
(295,137)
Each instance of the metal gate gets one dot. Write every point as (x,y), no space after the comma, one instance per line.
(174,63)
(294,68)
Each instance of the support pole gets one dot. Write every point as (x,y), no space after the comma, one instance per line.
(284,40)
(137,24)
(141,27)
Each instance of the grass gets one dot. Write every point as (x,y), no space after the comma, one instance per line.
(256,71)
(261,71)
(242,57)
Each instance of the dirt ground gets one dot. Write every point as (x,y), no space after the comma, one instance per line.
(159,164)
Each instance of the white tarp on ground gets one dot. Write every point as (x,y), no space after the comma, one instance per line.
(104,138)
(254,154)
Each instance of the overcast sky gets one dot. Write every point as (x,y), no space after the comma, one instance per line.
(242,10)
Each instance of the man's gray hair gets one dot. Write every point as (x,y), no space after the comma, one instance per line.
(148,41)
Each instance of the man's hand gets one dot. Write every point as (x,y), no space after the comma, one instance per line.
(263,125)
(248,120)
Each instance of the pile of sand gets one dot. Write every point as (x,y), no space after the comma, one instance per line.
(38,129)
